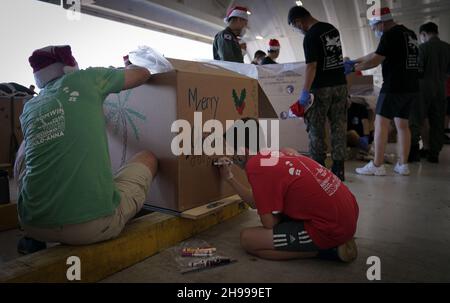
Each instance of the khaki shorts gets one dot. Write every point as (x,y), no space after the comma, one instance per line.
(133,182)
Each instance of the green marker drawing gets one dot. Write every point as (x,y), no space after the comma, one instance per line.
(120,115)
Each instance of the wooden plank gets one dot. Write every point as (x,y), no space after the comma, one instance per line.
(143,238)
(205,210)
(8,217)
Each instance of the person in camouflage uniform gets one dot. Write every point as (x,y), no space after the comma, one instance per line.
(226,45)
(325,79)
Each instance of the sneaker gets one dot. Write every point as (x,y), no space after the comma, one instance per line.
(346,253)
(371,170)
(28,246)
(402,170)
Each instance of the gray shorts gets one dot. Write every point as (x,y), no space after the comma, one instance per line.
(291,235)
(133,182)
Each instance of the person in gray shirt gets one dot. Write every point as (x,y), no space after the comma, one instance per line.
(434,66)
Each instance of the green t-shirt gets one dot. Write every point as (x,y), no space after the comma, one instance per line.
(68,177)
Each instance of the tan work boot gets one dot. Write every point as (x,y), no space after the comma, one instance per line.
(348,252)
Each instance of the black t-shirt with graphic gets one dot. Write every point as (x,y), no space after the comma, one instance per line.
(322,44)
(356,114)
(401,67)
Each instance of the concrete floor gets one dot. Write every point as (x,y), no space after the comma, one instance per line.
(405,221)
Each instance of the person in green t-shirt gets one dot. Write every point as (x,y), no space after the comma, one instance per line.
(67,190)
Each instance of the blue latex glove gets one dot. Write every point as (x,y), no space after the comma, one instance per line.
(305,98)
(349,67)
(364,143)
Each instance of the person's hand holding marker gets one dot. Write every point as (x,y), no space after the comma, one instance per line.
(224,165)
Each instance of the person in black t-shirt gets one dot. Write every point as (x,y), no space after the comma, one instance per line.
(398,53)
(273,52)
(325,79)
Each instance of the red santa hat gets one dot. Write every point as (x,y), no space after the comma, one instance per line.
(274,45)
(380,15)
(52,62)
(237,11)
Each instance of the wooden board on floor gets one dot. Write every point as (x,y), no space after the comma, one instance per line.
(141,239)
(8,217)
(205,210)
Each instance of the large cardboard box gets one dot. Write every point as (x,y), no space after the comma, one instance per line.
(141,119)
(282,84)
(10,131)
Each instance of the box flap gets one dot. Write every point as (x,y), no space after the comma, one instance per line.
(265,108)
(203,68)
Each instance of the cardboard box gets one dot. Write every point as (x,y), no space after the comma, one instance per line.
(282,84)
(147,113)
(10,131)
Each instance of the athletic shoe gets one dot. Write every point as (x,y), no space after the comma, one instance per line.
(371,170)
(402,170)
(346,253)
(28,246)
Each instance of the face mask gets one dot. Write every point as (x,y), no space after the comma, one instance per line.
(70,69)
(243,32)
(244,52)
(378,34)
(298,30)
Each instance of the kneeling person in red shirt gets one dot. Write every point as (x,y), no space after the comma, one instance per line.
(306,211)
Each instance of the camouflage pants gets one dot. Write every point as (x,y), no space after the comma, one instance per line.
(329,103)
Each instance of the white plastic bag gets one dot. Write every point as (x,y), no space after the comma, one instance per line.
(147,57)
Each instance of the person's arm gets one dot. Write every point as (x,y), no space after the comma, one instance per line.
(269,221)
(289,151)
(310,75)
(244,192)
(135,76)
(371,61)
(362,59)
(311,49)
(19,165)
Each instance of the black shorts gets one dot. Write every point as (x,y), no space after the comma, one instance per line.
(393,106)
(291,235)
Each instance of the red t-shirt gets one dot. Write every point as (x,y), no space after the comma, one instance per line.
(302,189)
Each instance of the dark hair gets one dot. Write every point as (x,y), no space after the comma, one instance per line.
(297,12)
(429,28)
(247,135)
(259,53)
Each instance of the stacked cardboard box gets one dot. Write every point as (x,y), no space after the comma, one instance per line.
(10,131)
(142,118)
